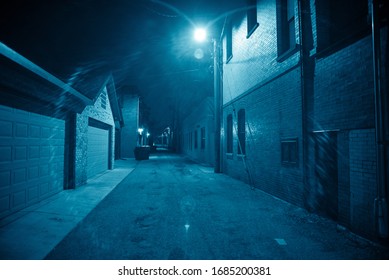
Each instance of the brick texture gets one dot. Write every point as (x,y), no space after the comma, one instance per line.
(201,117)
(270,93)
(339,102)
(103,115)
(362,180)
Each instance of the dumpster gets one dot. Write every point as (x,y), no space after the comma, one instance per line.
(142,152)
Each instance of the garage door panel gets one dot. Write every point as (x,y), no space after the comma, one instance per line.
(33,194)
(32,150)
(98,151)
(4,203)
(19,199)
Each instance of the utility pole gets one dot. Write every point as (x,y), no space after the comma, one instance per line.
(217,104)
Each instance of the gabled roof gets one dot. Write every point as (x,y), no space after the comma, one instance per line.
(113,99)
(21,78)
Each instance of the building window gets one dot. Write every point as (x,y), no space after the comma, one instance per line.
(195,139)
(252,22)
(203,138)
(286,37)
(242,132)
(103,98)
(335,27)
(229,134)
(228,41)
(289,151)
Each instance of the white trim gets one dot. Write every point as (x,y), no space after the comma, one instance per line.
(21,60)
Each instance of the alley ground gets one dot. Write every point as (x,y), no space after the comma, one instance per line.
(171,208)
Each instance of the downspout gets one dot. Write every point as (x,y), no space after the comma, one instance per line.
(304,119)
(380,203)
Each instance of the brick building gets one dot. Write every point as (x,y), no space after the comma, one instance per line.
(52,136)
(197,133)
(299,105)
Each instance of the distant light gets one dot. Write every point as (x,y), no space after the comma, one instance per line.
(200,34)
(140,130)
(148,134)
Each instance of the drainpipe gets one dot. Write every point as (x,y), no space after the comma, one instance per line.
(217,104)
(302,6)
(380,203)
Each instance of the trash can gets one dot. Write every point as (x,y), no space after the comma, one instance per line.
(142,152)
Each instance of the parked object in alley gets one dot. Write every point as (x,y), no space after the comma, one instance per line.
(142,152)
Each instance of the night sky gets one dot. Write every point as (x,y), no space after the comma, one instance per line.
(147,45)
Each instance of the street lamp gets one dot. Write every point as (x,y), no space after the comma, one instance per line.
(200,35)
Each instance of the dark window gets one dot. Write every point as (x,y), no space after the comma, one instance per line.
(286,37)
(340,22)
(252,22)
(203,138)
(229,134)
(228,41)
(289,151)
(104,99)
(195,139)
(241,132)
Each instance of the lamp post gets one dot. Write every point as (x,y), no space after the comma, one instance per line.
(140,136)
(200,35)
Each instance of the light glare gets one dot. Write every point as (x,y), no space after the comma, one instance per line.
(200,34)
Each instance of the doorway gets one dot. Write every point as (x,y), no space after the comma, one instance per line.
(326,172)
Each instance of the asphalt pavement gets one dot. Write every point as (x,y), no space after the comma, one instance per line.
(169,207)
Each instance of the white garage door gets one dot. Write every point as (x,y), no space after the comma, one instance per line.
(31,158)
(97,151)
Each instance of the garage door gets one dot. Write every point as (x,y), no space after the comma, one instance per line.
(31,158)
(97,151)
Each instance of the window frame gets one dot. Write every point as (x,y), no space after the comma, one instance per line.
(289,152)
(252,18)
(230,135)
(202,135)
(329,36)
(286,45)
(241,132)
(196,144)
(229,50)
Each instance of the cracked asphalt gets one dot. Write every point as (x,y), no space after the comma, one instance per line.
(172,208)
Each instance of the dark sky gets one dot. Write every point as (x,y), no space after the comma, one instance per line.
(146,43)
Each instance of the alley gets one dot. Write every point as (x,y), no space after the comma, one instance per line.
(169,207)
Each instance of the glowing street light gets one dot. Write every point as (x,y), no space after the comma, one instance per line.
(200,34)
